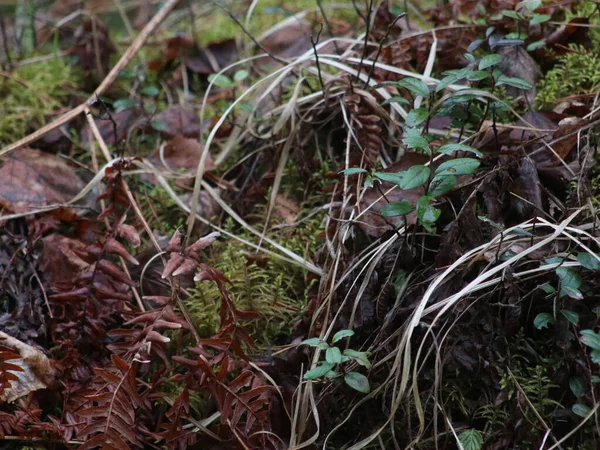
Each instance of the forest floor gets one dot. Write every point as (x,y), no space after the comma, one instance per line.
(309,224)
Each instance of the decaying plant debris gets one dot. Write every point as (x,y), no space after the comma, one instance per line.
(269,225)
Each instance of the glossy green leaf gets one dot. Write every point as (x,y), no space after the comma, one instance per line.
(536,45)
(512,14)
(159,125)
(318,372)
(571,316)
(458,166)
(489,61)
(415,86)
(539,18)
(240,75)
(580,409)
(542,320)
(312,342)
(333,355)
(445,82)
(394,178)
(396,209)
(426,212)
(416,117)
(570,282)
(471,440)
(590,338)
(341,335)
(441,184)
(358,382)
(353,171)
(588,261)
(360,357)
(220,80)
(578,386)
(150,91)
(515,82)
(414,177)
(547,288)
(124,103)
(448,149)
(478,75)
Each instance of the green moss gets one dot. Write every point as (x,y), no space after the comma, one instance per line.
(273,288)
(32,94)
(589,10)
(577,72)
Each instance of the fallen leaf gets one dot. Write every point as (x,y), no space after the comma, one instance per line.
(31,179)
(60,258)
(124,120)
(93,48)
(519,64)
(526,191)
(178,120)
(37,373)
(286,208)
(213,58)
(180,154)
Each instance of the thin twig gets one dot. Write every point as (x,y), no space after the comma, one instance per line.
(108,80)
(328,24)
(314,46)
(380,48)
(247,33)
(366,44)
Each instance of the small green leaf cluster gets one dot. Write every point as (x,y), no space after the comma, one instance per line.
(335,361)
(524,13)
(223,81)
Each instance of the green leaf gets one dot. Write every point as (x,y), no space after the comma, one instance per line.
(318,372)
(396,209)
(360,357)
(578,386)
(312,342)
(414,177)
(542,320)
(595,355)
(240,75)
(341,335)
(358,382)
(426,212)
(539,18)
(458,166)
(571,316)
(448,149)
(570,282)
(222,81)
(396,99)
(547,288)
(515,82)
(415,86)
(581,410)
(470,57)
(159,125)
(590,338)
(333,355)
(512,14)
(394,178)
(150,91)
(441,184)
(588,261)
(489,61)
(332,374)
(124,103)
(530,5)
(595,379)
(246,107)
(471,440)
(478,75)
(445,82)
(416,117)
(416,141)
(535,45)
(353,171)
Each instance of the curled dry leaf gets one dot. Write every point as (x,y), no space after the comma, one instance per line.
(37,371)
(31,179)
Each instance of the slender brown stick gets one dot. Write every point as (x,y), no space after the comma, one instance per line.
(108,80)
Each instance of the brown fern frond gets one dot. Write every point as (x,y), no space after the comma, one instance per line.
(110,412)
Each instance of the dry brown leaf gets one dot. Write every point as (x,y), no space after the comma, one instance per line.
(286,208)
(60,258)
(178,120)
(518,63)
(37,373)
(31,178)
